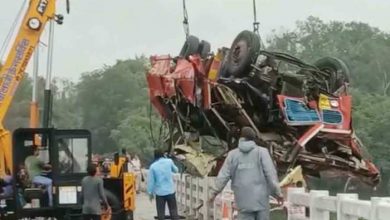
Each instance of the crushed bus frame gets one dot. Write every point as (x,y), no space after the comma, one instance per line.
(301,112)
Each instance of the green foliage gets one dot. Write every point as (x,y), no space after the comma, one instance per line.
(18,115)
(112,103)
(372,120)
(134,132)
(64,102)
(365,49)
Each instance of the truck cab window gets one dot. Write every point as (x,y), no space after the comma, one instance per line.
(73,155)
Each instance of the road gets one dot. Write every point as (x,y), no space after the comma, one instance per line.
(145,210)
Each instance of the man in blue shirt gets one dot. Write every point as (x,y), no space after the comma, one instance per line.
(160,183)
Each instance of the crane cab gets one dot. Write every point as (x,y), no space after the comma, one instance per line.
(67,154)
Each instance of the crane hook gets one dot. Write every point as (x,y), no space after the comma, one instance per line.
(256,23)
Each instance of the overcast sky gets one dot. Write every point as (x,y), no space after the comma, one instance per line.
(99,32)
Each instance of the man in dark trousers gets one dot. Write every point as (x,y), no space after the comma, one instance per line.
(160,183)
(253,176)
(92,194)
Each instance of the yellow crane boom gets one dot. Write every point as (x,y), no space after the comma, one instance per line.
(39,12)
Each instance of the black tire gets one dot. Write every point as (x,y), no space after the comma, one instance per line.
(129,215)
(338,71)
(190,46)
(204,49)
(242,54)
(116,207)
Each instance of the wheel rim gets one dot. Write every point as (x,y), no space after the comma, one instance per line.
(106,215)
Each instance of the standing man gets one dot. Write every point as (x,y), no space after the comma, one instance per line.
(253,176)
(160,183)
(92,194)
(136,167)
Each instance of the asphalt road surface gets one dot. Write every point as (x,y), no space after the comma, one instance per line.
(145,210)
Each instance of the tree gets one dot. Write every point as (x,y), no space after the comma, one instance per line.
(365,49)
(139,133)
(64,102)
(106,98)
(18,114)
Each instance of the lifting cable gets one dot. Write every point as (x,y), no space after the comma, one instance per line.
(152,136)
(185,20)
(256,24)
(151,126)
(11,31)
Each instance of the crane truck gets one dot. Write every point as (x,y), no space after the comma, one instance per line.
(67,151)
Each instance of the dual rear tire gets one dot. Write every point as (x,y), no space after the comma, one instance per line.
(192,46)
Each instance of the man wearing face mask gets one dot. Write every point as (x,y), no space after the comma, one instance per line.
(253,178)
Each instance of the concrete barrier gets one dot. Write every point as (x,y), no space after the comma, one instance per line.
(346,206)
(194,192)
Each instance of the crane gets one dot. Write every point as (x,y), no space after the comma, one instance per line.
(38,14)
(119,189)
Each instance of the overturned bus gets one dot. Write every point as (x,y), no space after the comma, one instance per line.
(301,112)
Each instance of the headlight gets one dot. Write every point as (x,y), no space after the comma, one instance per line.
(334,103)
